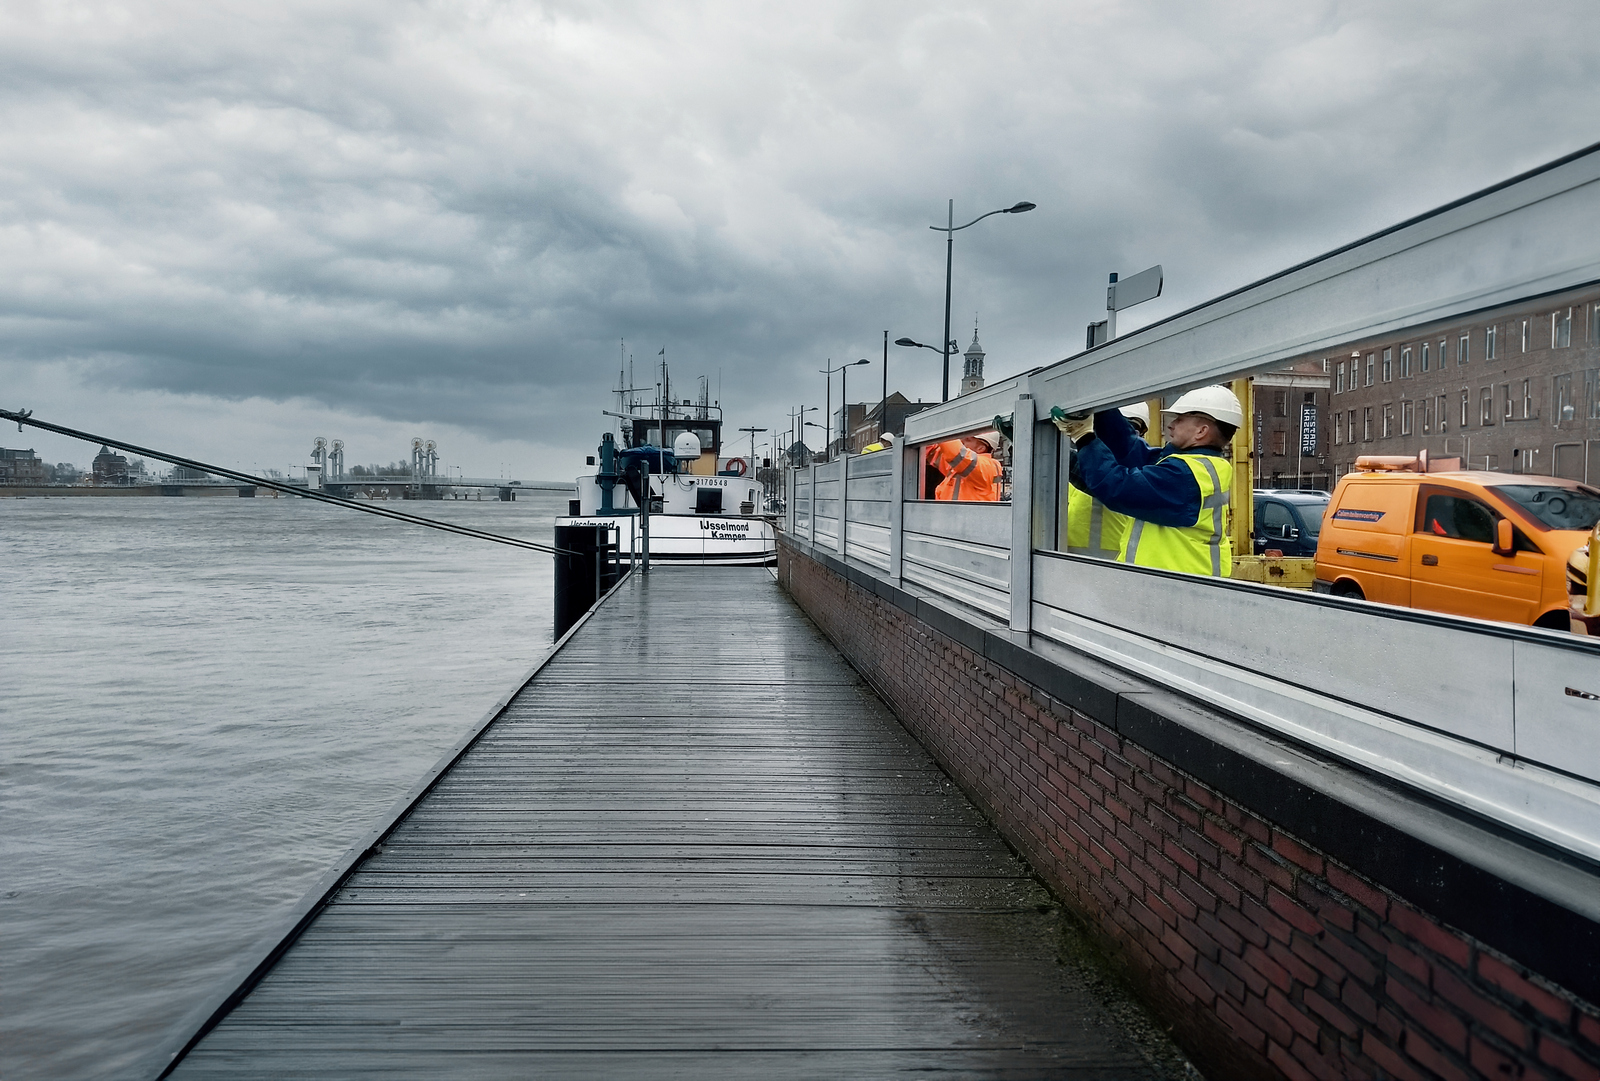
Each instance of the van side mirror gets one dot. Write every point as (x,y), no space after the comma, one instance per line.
(1504,538)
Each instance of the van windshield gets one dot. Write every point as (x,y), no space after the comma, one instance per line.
(1558,508)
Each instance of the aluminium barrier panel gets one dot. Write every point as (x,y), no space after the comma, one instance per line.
(825,503)
(961,551)
(868,495)
(968,413)
(800,502)
(1473,714)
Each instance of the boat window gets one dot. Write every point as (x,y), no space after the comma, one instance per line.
(1556,507)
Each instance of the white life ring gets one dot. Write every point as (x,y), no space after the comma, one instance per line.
(738,466)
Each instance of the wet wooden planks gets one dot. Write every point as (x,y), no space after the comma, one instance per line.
(694,846)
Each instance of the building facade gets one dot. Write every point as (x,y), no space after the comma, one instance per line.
(110,468)
(1291,434)
(22,467)
(1514,388)
(873,423)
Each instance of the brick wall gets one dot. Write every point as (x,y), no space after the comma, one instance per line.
(1266,956)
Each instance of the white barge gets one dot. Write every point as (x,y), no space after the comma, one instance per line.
(703,505)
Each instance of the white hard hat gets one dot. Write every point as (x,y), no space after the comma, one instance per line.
(1139,411)
(1218,403)
(887,439)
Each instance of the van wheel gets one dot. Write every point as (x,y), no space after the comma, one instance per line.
(1554,621)
(1348,589)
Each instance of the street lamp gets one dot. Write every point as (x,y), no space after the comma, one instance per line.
(797,434)
(753,458)
(950,229)
(828,413)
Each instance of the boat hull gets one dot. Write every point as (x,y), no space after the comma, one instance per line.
(694,540)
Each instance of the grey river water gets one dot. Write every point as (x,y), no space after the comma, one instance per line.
(206,701)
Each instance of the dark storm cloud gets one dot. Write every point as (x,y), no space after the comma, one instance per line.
(456,212)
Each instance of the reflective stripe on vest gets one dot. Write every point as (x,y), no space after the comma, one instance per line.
(1102,537)
(1201,548)
(957,474)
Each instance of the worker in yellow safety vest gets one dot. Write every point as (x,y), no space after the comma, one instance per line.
(1177,496)
(969,467)
(1093,529)
(885,441)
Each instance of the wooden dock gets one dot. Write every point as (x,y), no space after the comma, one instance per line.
(694,845)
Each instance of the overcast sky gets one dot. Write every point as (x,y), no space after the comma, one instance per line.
(228,228)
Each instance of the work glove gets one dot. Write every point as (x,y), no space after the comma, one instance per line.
(1076,425)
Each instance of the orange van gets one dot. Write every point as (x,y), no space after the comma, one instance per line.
(1482,544)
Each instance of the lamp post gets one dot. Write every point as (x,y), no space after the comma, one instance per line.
(883,408)
(797,433)
(950,229)
(753,459)
(828,417)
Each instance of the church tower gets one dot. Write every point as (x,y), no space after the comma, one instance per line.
(972,372)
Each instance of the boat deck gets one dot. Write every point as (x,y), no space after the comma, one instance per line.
(694,845)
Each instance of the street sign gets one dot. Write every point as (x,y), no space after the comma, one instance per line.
(1143,286)
(1308,430)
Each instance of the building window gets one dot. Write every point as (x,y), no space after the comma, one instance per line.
(1388,420)
(1406,417)
(1388,365)
(1561,329)
(1366,424)
(1371,367)
(1280,403)
(1427,416)
(1505,393)
(1490,341)
(1350,427)
(1486,406)
(1338,431)
(1525,335)
(1405,362)
(1591,395)
(1461,349)
(1280,443)
(1566,401)
(1338,386)
(1466,404)
(1594,323)
(1444,414)
(1425,356)
(1527,399)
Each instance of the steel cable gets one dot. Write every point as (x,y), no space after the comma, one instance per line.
(26,417)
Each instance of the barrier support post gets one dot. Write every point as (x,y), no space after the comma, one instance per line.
(1022,417)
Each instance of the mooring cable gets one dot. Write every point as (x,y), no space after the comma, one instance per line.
(26,417)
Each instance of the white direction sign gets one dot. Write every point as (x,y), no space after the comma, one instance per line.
(1143,286)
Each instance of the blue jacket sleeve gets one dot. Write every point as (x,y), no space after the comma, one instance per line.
(1164,492)
(1116,433)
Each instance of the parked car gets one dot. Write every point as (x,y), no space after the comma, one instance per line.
(1288,520)
(1471,543)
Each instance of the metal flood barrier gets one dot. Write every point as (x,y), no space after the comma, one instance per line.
(1499,719)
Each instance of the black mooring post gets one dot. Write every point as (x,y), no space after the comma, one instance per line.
(577,573)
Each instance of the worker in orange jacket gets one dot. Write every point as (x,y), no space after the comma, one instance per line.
(969,467)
